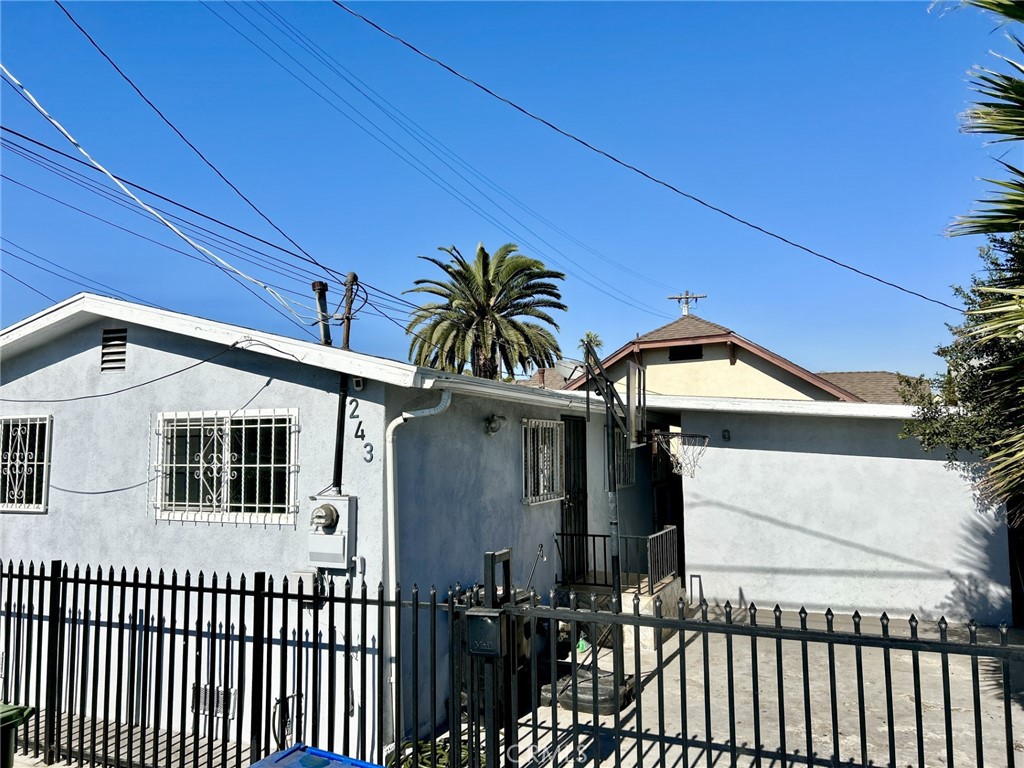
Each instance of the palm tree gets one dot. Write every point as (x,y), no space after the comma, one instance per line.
(1000,112)
(479,319)
(591,338)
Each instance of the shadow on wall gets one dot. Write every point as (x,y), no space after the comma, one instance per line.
(981,571)
(978,575)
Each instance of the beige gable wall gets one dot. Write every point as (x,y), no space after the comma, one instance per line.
(714,376)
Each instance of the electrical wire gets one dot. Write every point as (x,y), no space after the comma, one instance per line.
(206,262)
(418,165)
(97,395)
(103,492)
(89,286)
(650,177)
(42,111)
(225,244)
(414,129)
(174,128)
(418,137)
(165,199)
(30,287)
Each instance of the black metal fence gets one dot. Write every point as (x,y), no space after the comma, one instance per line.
(645,561)
(142,670)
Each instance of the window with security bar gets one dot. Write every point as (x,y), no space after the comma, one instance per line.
(25,467)
(543,461)
(227,465)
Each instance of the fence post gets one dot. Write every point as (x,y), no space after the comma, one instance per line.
(53,660)
(259,628)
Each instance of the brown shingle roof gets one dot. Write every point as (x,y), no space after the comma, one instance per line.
(544,378)
(685,327)
(870,386)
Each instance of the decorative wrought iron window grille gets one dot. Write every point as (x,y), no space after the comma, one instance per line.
(227,466)
(543,461)
(24,463)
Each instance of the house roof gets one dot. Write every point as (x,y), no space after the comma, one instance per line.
(691,330)
(869,386)
(85,308)
(685,327)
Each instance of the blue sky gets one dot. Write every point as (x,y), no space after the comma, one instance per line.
(833,124)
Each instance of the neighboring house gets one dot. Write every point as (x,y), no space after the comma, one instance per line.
(691,356)
(806,494)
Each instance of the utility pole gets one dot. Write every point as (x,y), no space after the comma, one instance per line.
(320,291)
(685,299)
(351,281)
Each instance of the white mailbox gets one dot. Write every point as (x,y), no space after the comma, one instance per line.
(332,532)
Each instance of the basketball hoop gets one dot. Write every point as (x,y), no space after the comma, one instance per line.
(684,450)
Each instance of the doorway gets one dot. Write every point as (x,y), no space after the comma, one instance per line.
(574,504)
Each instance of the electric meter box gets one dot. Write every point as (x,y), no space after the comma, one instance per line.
(332,532)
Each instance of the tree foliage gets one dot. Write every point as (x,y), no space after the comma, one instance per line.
(965,411)
(486,313)
(981,404)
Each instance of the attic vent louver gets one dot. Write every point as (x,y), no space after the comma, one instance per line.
(114,350)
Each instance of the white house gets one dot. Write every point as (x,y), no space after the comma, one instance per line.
(139,436)
(145,437)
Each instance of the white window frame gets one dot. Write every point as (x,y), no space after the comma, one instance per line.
(20,460)
(543,461)
(218,473)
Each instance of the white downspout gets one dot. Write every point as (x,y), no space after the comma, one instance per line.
(391,516)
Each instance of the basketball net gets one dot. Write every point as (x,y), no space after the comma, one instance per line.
(684,450)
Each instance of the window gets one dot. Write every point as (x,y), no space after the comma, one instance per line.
(687,352)
(220,466)
(543,461)
(25,470)
(625,461)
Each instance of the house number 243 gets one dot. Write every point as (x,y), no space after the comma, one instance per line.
(360,433)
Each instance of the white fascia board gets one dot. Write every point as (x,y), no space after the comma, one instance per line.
(781,407)
(499,390)
(85,308)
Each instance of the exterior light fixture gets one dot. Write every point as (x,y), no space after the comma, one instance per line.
(726,435)
(493,423)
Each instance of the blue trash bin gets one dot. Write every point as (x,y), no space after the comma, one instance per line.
(301,756)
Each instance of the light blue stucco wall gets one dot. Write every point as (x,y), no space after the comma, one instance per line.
(459,489)
(107,443)
(838,512)
(460,492)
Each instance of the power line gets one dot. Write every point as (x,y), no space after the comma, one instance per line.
(157,195)
(125,389)
(174,128)
(42,111)
(428,142)
(30,287)
(274,307)
(220,241)
(637,170)
(418,131)
(418,165)
(114,291)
